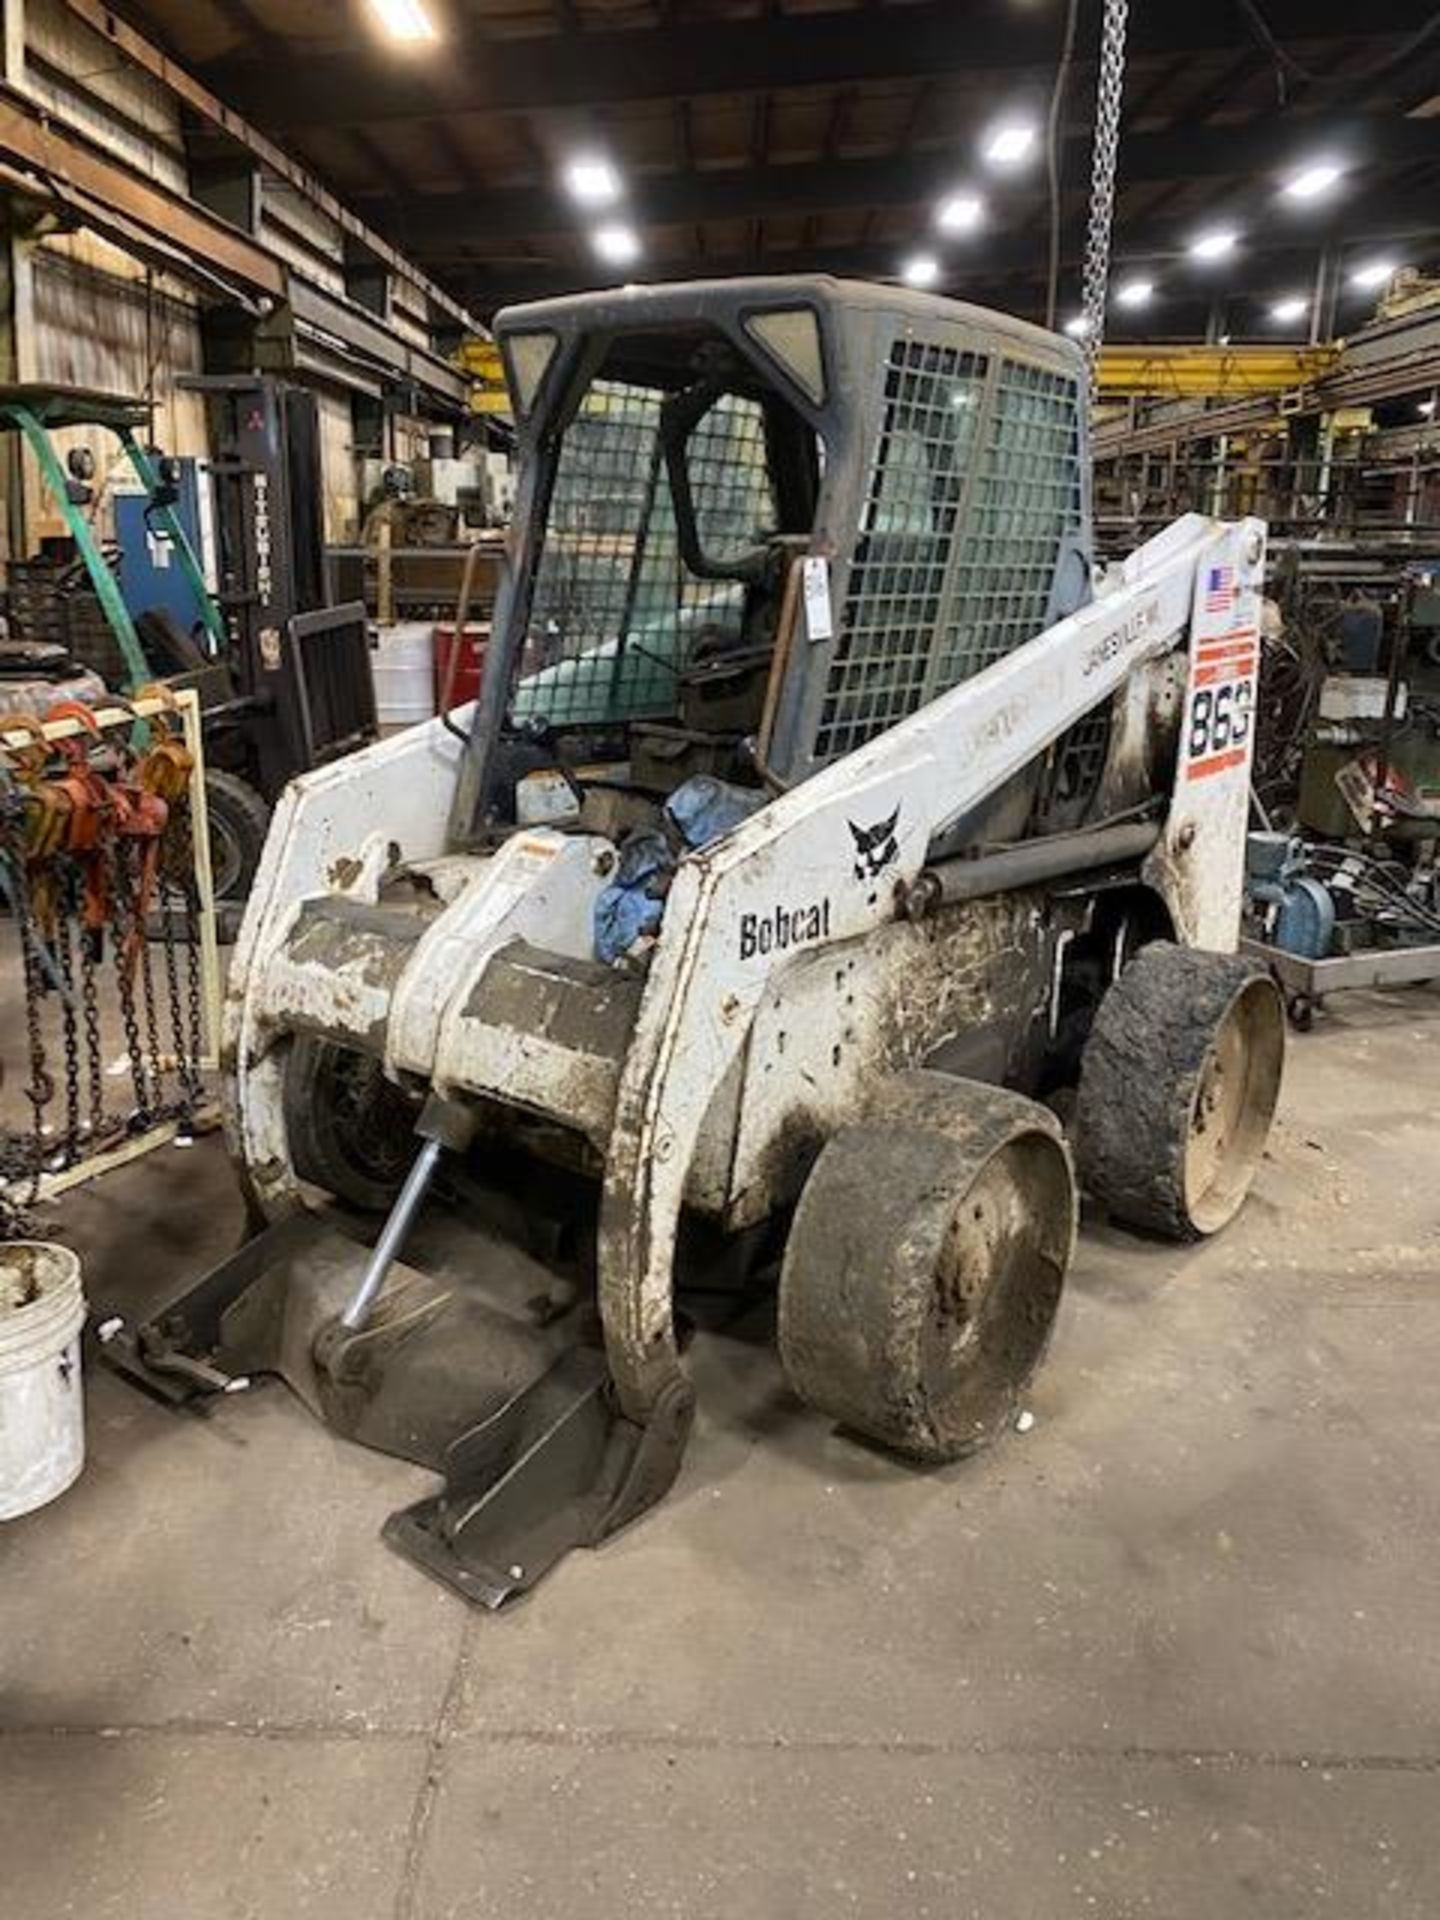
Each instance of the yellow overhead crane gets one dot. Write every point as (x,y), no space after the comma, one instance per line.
(1209,372)
(480,358)
(1127,370)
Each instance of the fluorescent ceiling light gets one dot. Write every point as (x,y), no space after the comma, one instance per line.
(1293,308)
(960,213)
(617,245)
(1213,245)
(1009,142)
(1077,326)
(1310,182)
(920,270)
(1134,293)
(592,181)
(405,20)
(1372,273)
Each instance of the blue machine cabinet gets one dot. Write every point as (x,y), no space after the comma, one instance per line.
(150,574)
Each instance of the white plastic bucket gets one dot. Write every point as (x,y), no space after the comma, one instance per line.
(402,665)
(42,1403)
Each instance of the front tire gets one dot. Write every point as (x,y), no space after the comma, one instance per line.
(925,1264)
(350,1129)
(1178,1086)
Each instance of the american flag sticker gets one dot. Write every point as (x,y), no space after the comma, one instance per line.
(1219,589)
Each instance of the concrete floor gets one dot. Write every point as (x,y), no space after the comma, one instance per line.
(1172,1652)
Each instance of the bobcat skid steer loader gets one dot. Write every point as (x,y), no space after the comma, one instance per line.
(823,829)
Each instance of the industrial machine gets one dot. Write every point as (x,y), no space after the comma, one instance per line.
(821,833)
(1344,887)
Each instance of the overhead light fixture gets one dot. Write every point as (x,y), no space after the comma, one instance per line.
(1372,273)
(920,270)
(591,181)
(1134,293)
(1295,307)
(1077,326)
(405,20)
(1008,142)
(960,213)
(1312,181)
(615,244)
(1214,244)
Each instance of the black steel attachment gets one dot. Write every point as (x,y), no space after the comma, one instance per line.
(558,1467)
(469,1369)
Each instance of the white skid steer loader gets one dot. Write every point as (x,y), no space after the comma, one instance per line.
(823,830)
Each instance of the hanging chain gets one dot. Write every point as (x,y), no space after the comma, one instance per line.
(165,906)
(65,960)
(194,1009)
(1110,89)
(176,878)
(90,1018)
(140,935)
(41,1088)
(125,980)
(71,896)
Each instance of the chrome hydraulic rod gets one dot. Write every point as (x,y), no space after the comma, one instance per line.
(392,1235)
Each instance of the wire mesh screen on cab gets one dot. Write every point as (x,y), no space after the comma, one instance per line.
(975,483)
(615,614)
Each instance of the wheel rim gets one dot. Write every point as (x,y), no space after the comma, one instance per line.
(998,1282)
(1234,1102)
(371,1119)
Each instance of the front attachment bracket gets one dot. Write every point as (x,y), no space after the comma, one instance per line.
(473,1377)
(556,1468)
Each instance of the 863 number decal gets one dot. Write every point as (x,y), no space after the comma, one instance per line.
(1220,717)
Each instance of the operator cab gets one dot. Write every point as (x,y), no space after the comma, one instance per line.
(684,451)
(683,485)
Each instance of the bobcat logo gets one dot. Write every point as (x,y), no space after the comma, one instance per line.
(875,847)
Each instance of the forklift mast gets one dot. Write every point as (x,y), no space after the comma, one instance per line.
(305,664)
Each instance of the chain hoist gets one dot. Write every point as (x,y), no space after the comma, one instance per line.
(96,842)
(1110,88)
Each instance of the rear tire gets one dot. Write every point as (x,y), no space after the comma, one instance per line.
(239,822)
(1178,1086)
(925,1264)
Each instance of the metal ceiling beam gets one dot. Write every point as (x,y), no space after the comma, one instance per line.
(442,226)
(360,83)
(1016,256)
(134,47)
(78,175)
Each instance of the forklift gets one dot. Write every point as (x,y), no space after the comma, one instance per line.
(284,681)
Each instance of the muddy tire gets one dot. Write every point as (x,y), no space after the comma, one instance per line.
(925,1264)
(350,1130)
(1178,1085)
(239,821)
